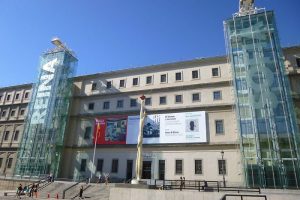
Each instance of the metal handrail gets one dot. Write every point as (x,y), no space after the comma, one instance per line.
(65,190)
(243,195)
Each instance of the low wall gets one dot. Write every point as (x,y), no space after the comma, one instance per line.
(148,194)
(12,184)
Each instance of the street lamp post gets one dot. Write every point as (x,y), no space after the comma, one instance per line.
(223,172)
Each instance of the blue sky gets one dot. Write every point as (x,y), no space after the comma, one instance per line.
(115,34)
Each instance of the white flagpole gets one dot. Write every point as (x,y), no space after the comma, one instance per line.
(93,166)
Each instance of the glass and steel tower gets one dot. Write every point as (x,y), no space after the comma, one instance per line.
(269,136)
(42,141)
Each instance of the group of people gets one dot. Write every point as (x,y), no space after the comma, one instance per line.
(50,178)
(182,182)
(28,190)
(104,178)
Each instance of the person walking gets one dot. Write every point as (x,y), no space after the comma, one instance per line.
(19,191)
(80,192)
(181,183)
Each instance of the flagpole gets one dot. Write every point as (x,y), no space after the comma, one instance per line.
(94,152)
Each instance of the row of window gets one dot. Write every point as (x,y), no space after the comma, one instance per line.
(9,162)
(7,133)
(217,95)
(17,96)
(178,166)
(163,79)
(13,113)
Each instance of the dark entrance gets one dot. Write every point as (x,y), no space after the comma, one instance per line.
(129,169)
(161,170)
(146,170)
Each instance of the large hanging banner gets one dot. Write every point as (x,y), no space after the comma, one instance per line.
(188,127)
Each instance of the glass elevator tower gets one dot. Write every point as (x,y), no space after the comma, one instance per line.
(42,141)
(269,136)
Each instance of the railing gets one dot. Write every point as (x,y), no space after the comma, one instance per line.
(67,189)
(199,185)
(244,195)
(83,190)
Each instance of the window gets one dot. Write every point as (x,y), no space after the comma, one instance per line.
(87,132)
(196,97)
(94,86)
(8,97)
(12,113)
(178,76)
(114,166)
(148,79)
(198,166)
(3,113)
(6,135)
(298,62)
(9,163)
(133,102)
(217,95)
(163,78)
(1,161)
(219,126)
(148,101)
(215,72)
(17,96)
(162,100)
(222,167)
(83,165)
(195,74)
(0,97)
(135,81)
(105,105)
(120,103)
(178,167)
(22,112)
(108,84)
(178,98)
(99,165)
(122,83)
(16,135)
(91,106)
(26,95)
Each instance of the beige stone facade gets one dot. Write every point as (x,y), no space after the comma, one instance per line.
(13,110)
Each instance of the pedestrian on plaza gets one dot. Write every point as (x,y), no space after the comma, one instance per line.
(35,190)
(106,179)
(99,178)
(31,190)
(181,183)
(81,192)
(19,190)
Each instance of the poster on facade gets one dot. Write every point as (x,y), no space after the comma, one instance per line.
(188,127)
(110,130)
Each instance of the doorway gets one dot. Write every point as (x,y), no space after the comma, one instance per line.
(129,169)
(161,170)
(146,170)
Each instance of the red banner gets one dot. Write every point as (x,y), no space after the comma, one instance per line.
(110,130)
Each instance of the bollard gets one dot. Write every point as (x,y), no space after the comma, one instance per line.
(56,195)
(48,195)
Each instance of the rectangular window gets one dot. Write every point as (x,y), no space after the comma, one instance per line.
(114,166)
(26,95)
(6,135)
(99,165)
(163,78)
(16,136)
(83,165)
(120,103)
(196,97)
(22,112)
(178,166)
(8,97)
(219,126)
(12,113)
(217,95)
(133,102)
(148,101)
(87,132)
(122,83)
(298,62)
(222,167)
(106,105)
(9,163)
(3,114)
(1,161)
(178,76)
(135,81)
(215,72)
(149,80)
(17,96)
(91,106)
(162,100)
(108,84)
(0,97)
(195,74)
(94,86)
(178,98)
(198,166)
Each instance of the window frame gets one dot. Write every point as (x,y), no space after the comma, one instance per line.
(6,135)
(199,97)
(181,98)
(22,112)
(16,135)
(166,78)
(198,74)
(151,81)
(195,167)
(181,76)
(114,169)
(106,105)
(97,167)
(160,102)
(124,84)
(150,101)
(87,133)
(223,128)
(9,162)
(83,167)
(26,95)
(218,71)
(91,106)
(176,169)
(118,105)
(17,96)
(133,105)
(214,95)
(8,97)
(94,86)
(108,84)
(225,171)
(133,81)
